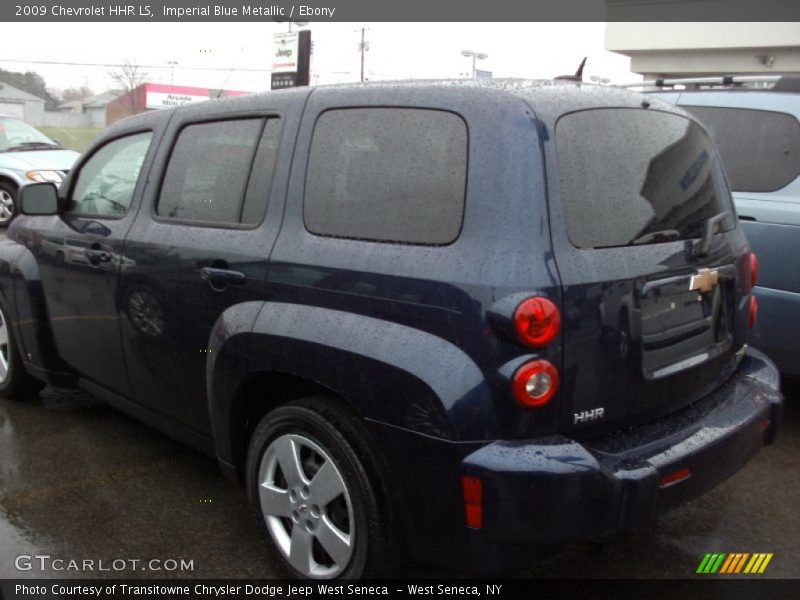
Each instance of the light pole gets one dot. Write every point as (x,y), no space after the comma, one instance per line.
(172,64)
(363,46)
(475,56)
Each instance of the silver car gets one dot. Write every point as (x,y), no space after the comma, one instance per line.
(27,156)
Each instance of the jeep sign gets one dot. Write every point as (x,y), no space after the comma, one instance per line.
(284,52)
(291,54)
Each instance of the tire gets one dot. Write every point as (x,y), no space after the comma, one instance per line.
(8,203)
(329,528)
(15,382)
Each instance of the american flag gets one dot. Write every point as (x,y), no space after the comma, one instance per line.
(482,74)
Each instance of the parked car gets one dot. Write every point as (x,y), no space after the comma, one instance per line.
(379,307)
(757,131)
(27,156)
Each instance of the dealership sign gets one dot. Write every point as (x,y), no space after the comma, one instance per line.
(168,100)
(158,95)
(285,48)
(291,56)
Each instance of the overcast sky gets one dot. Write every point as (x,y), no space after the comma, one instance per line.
(396,51)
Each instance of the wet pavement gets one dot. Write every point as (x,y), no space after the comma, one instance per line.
(79,480)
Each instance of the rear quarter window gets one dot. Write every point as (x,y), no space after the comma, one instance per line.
(387,174)
(637,176)
(760,148)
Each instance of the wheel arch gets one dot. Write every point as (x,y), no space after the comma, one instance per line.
(6,178)
(23,294)
(263,354)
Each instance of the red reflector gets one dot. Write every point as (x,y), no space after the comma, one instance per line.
(753,270)
(674,477)
(535,383)
(537,321)
(473,500)
(753,311)
(763,424)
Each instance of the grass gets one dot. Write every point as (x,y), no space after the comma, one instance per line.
(73,138)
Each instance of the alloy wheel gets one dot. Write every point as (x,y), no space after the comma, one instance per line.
(307,506)
(5,349)
(6,206)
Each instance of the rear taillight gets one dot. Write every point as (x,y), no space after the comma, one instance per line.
(750,277)
(752,311)
(753,270)
(535,383)
(473,500)
(536,321)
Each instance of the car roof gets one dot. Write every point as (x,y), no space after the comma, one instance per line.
(550,98)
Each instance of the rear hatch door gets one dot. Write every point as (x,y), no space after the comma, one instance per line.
(652,321)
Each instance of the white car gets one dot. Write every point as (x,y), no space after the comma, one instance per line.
(27,156)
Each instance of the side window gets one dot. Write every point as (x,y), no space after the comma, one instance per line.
(387,174)
(106,182)
(208,178)
(760,148)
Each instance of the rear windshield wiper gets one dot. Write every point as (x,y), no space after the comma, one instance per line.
(701,246)
(667,234)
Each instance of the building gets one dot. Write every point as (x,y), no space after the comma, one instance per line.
(674,50)
(21,105)
(89,112)
(152,96)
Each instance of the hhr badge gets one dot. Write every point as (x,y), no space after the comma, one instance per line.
(704,281)
(589,415)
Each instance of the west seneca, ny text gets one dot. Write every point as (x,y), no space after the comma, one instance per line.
(228,590)
(175,12)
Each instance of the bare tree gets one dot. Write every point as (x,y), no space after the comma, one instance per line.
(128,77)
(76,93)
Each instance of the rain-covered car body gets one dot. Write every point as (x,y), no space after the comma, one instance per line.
(381,245)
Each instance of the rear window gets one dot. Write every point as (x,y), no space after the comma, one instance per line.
(387,174)
(636,176)
(760,148)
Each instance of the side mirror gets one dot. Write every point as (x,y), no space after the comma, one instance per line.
(38,199)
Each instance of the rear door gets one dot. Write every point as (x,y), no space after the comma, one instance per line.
(201,245)
(651,323)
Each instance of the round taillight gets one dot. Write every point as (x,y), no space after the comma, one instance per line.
(536,321)
(535,383)
(753,270)
(752,311)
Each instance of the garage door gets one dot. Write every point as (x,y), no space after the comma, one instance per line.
(13,109)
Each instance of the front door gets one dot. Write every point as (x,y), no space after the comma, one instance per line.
(81,261)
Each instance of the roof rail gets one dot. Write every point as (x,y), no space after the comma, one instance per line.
(775,82)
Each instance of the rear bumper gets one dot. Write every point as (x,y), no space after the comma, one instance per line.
(555,490)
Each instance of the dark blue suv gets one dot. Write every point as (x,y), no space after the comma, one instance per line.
(472,320)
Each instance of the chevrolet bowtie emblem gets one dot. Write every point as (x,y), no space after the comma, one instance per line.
(704,281)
